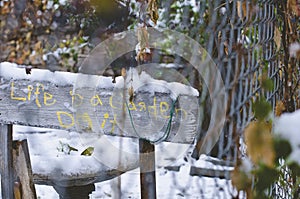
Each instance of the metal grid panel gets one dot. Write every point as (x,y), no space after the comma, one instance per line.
(241,42)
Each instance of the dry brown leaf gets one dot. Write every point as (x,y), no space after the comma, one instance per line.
(153,10)
(277,38)
(123,72)
(241,9)
(131,94)
(37,3)
(260,143)
(28,37)
(144,53)
(246,9)
(143,38)
(12,56)
(240,180)
(38,46)
(25,54)
(226,47)
(279,108)
(5,9)
(17,190)
(292,7)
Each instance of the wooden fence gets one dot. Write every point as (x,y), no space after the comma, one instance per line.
(54,100)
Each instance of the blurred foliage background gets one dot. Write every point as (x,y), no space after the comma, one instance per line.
(56,34)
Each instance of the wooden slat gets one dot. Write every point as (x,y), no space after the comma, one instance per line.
(75,180)
(22,170)
(6,161)
(205,172)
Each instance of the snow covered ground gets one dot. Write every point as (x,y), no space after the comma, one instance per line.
(46,156)
(45,145)
(169,185)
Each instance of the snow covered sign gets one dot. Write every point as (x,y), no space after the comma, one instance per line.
(156,110)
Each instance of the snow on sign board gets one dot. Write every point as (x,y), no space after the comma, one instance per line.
(158,111)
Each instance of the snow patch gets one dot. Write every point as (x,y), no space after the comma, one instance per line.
(142,82)
(287,126)
(145,83)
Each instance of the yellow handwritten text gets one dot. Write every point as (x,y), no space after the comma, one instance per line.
(152,109)
(164,107)
(12,94)
(106,116)
(48,97)
(82,120)
(30,89)
(77,99)
(95,100)
(37,92)
(61,122)
(143,106)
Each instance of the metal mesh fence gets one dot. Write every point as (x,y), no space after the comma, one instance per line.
(239,35)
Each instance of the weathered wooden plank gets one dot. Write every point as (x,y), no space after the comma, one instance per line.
(57,179)
(22,170)
(6,161)
(205,172)
(95,104)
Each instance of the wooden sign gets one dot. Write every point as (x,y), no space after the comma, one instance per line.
(158,111)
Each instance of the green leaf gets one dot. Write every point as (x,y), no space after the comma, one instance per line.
(266,176)
(261,196)
(295,168)
(75,56)
(72,148)
(88,151)
(268,84)
(282,148)
(261,109)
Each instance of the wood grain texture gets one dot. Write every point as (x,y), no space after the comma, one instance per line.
(98,110)
(22,170)
(6,161)
(205,172)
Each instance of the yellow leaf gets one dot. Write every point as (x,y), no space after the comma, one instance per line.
(260,143)
(88,151)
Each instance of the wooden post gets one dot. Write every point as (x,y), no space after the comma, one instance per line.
(6,161)
(147,169)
